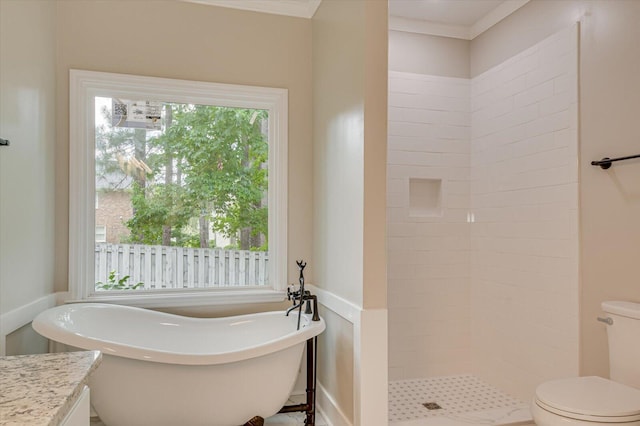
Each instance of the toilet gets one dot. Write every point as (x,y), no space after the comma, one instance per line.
(595,401)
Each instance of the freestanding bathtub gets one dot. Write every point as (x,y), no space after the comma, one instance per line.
(162,369)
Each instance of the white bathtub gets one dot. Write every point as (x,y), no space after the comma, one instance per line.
(162,369)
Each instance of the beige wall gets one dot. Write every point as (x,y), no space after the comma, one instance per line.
(375,155)
(193,42)
(349,116)
(609,90)
(26,341)
(428,54)
(27,119)
(349,162)
(335,373)
(338,154)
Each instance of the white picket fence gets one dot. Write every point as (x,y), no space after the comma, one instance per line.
(162,267)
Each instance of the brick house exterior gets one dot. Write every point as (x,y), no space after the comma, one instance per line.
(113,210)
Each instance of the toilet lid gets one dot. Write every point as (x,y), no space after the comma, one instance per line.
(590,396)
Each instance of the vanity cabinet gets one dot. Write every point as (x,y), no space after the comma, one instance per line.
(80,412)
(46,389)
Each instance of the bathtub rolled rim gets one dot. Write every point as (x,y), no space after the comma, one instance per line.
(45,325)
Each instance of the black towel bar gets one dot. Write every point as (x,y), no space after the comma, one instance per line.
(605,163)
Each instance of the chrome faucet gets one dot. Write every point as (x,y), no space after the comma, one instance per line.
(302,295)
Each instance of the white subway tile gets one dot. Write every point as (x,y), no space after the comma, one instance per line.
(566,83)
(558,45)
(558,102)
(534,94)
(395,185)
(430,87)
(424,144)
(415,115)
(512,161)
(397,199)
(496,109)
(548,123)
(553,69)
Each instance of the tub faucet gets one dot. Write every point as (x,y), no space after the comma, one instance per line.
(303,295)
(307,297)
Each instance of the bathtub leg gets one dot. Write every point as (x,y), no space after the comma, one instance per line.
(256,421)
(309,408)
(312,348)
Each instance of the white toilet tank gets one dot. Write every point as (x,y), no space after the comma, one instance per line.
(624,342)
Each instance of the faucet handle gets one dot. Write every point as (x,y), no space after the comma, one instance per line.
(291,293)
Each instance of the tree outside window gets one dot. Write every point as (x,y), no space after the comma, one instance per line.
(191,176)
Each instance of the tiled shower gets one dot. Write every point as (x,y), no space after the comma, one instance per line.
(482,224)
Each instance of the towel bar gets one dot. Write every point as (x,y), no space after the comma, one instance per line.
(605,163)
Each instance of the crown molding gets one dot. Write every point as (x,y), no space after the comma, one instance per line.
(297,8)
(495,16)
(398,23)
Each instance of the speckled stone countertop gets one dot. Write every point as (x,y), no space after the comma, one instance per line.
(41,389)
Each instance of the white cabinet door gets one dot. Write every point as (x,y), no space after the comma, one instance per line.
(79,414)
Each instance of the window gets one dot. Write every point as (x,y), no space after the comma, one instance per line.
(101,234)
(192,181)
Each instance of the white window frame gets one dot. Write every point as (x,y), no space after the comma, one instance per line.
(84,87)
(103,232)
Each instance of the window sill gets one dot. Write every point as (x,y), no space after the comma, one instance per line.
(183,298)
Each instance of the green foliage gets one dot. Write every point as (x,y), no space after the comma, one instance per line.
(208,166)
(158,206)
(224,152)
(115,284)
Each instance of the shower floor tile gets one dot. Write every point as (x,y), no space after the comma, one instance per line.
(463,399)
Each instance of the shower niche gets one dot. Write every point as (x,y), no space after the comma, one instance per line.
(425,197)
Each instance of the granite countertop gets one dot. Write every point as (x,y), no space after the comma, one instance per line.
(41,389)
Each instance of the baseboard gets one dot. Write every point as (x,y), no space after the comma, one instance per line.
(326,405)
(21,316)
